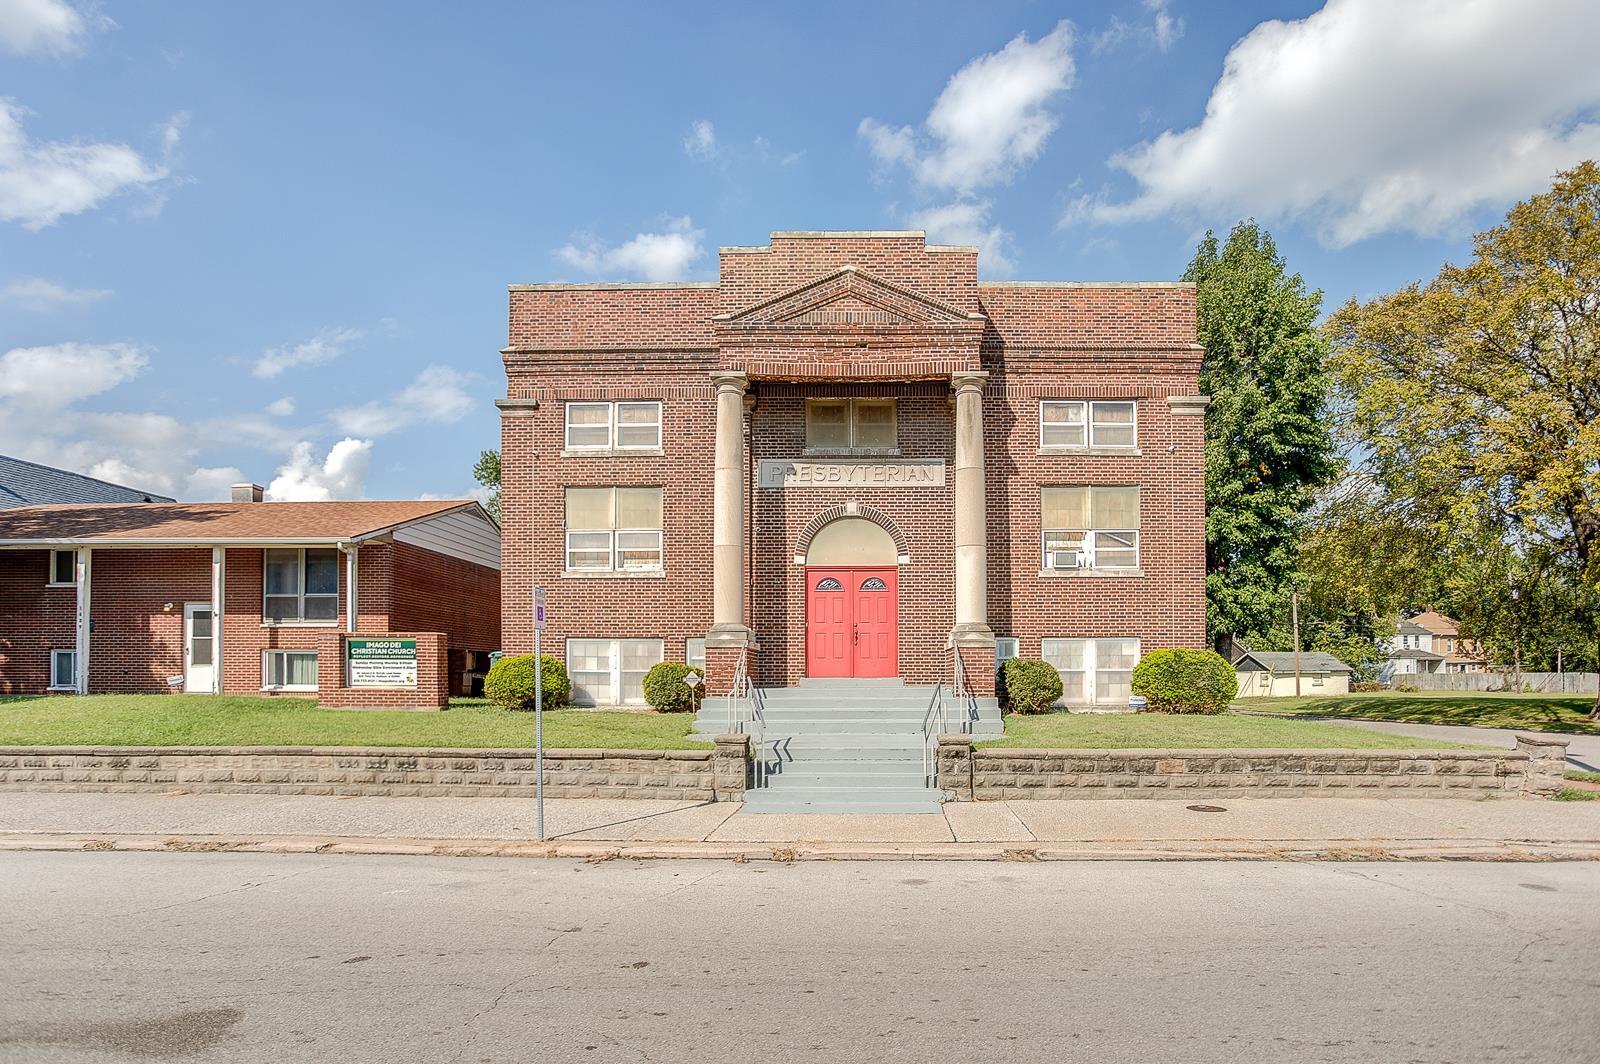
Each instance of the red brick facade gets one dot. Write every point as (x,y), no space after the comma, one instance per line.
(855,315)
(137,599)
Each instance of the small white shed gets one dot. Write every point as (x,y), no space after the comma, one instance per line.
(1269,673)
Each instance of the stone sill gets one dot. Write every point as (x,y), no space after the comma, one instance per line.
(300,624)
(617,452)
(846,452)
(1130,452)
(608,574)
(1084,574)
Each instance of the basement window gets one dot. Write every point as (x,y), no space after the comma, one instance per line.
(610,672)
(288,670)
(63,670)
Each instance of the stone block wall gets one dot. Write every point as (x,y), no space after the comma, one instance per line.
(966,773)
(680,775)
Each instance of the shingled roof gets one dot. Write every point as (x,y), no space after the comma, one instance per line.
(31,484)
(1282,661)
(175,524)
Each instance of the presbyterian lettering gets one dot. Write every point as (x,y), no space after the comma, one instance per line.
(778,474)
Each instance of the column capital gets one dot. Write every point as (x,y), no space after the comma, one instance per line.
(972,380)
(1188,405)
(734,380)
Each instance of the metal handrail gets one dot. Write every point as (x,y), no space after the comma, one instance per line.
(747,715)
(933,723)
(969,701)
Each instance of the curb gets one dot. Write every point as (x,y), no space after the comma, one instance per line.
(1342,850)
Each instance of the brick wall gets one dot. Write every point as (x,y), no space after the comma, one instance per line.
(34,620)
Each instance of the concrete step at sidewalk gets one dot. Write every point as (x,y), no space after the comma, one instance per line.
(828,801)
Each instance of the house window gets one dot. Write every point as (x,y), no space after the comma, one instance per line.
(301,586)
(1090,528)
(63,568)
(610,672)
(63,670)
(613,529)
(1093,671)
(1318,679)
(694,653)
(1081,423)
(288,670)
(1005,648)
(850,425)
(621,426)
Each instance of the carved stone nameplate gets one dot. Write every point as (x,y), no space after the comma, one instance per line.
(776,474)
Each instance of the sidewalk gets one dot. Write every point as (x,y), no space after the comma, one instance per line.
(1279,829)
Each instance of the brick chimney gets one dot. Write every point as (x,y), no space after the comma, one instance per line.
(247,493)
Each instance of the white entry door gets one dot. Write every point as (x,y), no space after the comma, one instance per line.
(198,668)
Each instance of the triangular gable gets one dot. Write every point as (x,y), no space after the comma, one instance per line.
(849,297)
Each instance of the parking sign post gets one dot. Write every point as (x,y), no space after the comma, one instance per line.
(538,711)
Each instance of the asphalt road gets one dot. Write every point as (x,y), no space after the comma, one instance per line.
(245,958)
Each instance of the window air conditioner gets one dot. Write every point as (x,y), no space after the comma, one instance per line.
(1066,559)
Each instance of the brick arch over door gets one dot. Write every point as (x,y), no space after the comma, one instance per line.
(902,548)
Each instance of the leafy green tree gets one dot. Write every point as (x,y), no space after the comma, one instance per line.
(487,472)
(1267,443)
(1476,397)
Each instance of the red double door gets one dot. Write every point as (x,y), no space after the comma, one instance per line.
(852,621)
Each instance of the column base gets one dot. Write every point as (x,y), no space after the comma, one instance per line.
(723,651)
(974,646)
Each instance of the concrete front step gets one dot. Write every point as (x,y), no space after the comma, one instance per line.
(776,801)
(791,726)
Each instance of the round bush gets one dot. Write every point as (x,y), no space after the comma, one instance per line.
(665,690)
(1185,681)
(1031,685)
(509,684)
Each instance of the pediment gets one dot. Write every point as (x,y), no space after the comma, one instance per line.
(849,298)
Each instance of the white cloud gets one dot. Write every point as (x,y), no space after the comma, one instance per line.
(664,256)
(49,378)
(701,143)
(1162,32)
(212,484)
(324,346)
(36,293)
(1371,116)
(436,397)
(41,27)
(281,407)
(340,475)
(42,183)
(967,222)
(990,120)
(1167,28)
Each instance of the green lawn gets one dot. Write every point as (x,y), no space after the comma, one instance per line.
(1565,713)
(210,720)
(1096,731)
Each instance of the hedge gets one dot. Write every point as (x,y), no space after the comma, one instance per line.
(1185,681)
(1030,685)
(665,690)
(509,684)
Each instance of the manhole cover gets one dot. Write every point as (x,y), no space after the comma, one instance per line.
(1205,809)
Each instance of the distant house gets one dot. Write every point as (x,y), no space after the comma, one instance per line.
(1459,654)
(30,484)
(1409,652)
(1271,673)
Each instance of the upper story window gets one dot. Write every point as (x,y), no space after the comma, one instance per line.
(620,426)
(300,586)
(63,568)
(1089,424)
(613,529)
(1090,527)
(851,425)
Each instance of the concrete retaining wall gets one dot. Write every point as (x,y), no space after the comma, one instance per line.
(968,774)
(687,775)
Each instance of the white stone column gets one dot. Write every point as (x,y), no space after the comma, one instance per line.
(352,601)
(970,515)
(84,566)
(219,590)
(727,521)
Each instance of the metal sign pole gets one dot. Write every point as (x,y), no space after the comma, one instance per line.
(538,711)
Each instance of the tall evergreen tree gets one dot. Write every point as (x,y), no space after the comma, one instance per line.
(1268,444)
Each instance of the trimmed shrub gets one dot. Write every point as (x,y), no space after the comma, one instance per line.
(1406,688)
(1185,681)
(1366,686)
(665,690)
(1030,685)
(509,684)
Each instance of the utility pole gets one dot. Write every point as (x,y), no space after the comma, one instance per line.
(1294,617)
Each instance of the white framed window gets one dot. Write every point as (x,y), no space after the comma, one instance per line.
(1006,647)
(694,653)
(63,568)
(1090,527)
(1096,672)
(63,670)
(288,670)
(300,585)
(1319,679)
(868,425)
(1085,423)
(613,529)
(610,672)
(627,425)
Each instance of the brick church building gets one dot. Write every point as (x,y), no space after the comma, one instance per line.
(851,457)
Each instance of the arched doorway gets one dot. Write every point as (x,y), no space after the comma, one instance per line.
(852,601)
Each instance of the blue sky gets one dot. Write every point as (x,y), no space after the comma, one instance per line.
(271,242)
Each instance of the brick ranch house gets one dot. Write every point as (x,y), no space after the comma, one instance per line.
(355,603)
(851,458)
